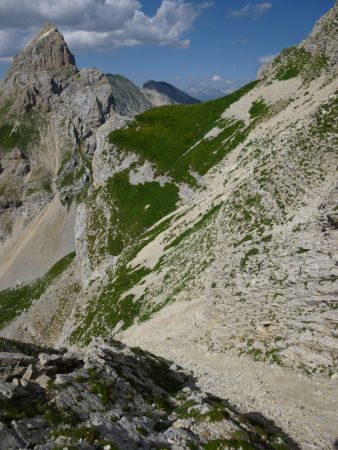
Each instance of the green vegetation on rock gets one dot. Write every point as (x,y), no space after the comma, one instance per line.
(136,208)
(248,254)
(296,61)
(88,434)
(133,211)
(19,131)
(14,301)
(258,109)
(197,226)
(111,307)
(172,136)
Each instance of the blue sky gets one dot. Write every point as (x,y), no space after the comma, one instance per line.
(192,42)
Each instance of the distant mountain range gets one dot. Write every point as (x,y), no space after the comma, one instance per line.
(204,93)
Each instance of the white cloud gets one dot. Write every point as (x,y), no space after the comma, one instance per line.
(261,8)
(217,78)
(5,59)
(9,40)
(98,24)
(266,59)
(251,10)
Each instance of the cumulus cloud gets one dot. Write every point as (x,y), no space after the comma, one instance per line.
(98,24)
(5,59)
(9,40)
(251,10)
(266,59)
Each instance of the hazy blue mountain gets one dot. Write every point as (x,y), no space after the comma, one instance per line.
(204,93)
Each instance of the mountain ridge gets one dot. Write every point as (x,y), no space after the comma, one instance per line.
(162,93)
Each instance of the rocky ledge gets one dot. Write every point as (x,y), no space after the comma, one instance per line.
(110,396)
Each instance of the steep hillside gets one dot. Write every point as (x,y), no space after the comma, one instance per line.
(160,93)
(208,232)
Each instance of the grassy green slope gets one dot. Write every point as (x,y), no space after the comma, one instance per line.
(165,136)
(18,131)
(134,209)
(137,208)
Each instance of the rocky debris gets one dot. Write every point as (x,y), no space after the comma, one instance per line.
(6,204)
(112,397)
(8,438)
(6,390)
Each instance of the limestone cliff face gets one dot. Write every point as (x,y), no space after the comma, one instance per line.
(45,79)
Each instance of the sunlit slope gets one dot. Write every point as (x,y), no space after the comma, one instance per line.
(172,136)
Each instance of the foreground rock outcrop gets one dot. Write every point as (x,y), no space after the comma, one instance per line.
(113,397)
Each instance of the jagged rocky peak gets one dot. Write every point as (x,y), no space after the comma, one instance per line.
(47,51)
(44,69)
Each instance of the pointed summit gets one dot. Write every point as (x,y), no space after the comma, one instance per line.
(47,51)
(46,29)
